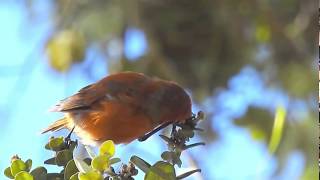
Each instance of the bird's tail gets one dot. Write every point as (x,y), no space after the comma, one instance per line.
(57,125)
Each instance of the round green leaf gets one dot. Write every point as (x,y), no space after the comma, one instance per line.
(56,144)
(82,165)
(54,176)
(140,163)
(70,169)
(100,162)
(23,175)
(161,171)
(114,160)
(29,164)
(63,157)
(92,175)
(108,148)
(168,156)
(47,146)
(17,166)
(172,157)
(187,133)
(75,176)
(65,48)
(7,172)
(40,173)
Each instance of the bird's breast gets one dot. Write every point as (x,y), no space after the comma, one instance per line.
(111,120)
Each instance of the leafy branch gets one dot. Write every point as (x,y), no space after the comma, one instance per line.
(99,166)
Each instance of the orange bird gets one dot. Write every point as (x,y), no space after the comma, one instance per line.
(122,107)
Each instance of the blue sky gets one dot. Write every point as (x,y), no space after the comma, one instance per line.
(29,88)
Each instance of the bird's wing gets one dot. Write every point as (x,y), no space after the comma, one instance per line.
(92,94)
(81,100)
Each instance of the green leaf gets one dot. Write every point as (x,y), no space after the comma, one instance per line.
(194,145)
(184,175)
(17,166)
(108,148)
(70,170)
(161,171)
(173,157)
(186,132)
(100,162)
(56,144)
(110,172)
(54,176)
(65,48)
(82,166)
(47,147)
(39,173)
(92,175)
(114,160)
(75,176)
(51,161)
(167,155)
(140,163)
(262,33)
(277,129)
(29,164)
(8,173)
(63,157)
(23,175)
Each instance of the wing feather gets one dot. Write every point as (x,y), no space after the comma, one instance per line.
(81,100)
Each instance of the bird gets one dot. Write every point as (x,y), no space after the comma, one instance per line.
(122,107)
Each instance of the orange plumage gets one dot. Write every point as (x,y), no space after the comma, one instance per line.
(122,107)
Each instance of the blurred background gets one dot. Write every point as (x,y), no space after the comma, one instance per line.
(239,60)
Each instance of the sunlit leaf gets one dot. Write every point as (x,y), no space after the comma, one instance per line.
(108,148)
(23,175)
(161,171)
(257,134)
(17,166)
(65,48)
(92,175)
(100,163)
(263,33)
(277,129)
(8,173)
(56,144)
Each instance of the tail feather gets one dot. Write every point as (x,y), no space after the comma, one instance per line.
(57,125)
